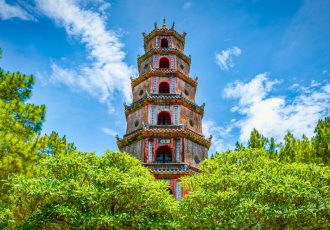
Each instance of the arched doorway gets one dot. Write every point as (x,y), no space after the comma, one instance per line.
(164,63)
(164,87)
(164,43)
(164,118)
(164,155)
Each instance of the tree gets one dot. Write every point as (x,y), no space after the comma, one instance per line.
(257,140)
(20,126)
(248,190)
(272,147)
(239,146)
(83,190)
(53,144)
(288,151)
(305,151)
(21,144)
(321,141)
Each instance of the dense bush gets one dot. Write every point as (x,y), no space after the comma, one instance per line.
(82,190)
(246,189)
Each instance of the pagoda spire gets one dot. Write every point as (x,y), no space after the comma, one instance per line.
(164,24)
(172,28)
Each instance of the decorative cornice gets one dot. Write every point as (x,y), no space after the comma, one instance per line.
(168,131)
(178,169)
(164,32)
(164,51)
(163,99)
(160,72)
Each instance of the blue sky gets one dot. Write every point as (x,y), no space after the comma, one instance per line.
(260,63)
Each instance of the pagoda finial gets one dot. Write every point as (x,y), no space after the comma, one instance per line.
(155,25)
(172,28)
(164,24)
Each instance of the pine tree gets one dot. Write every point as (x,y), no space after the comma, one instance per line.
(321,141)
(53,144)
(305,151)
(20,124)
(272,147)
(288,152)
(257,140)
(239,146)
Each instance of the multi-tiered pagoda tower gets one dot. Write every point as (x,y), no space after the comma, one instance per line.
(164,124)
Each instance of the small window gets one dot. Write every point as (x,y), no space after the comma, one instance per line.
(186,92)
(164,87)
(191,123)
(146,66)
(182,66)
(164,63)
(164,155)
(164,43)
(136,123)
(164,118)
(141,92)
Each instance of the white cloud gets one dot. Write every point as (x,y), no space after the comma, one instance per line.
(274,116)
(186,5)
(219,134)
(225,58)
(109,131)
(104,6)
(326,73)
(106,74)
(10,11)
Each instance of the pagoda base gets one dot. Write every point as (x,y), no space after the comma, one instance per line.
(171,173)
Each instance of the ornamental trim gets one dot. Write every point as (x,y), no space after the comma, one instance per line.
(158,72)
(170,32)
(172,99)
(163,51)
(158,131)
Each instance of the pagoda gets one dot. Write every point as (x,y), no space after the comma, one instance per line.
(164,124)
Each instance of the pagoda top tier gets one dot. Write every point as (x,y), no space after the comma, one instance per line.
(163,31)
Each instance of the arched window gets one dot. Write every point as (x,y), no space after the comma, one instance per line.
(164,118)
(164,43)
(164,63)
(163,155)
(164,87)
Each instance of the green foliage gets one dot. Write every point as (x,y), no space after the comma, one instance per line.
(20,126)
(82,190)
(21,145)
(321,141)
(257,140)
(53,144)
(6,217)
(246,189)
(305,150)
(239,146)
(288,152)
(272,148)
